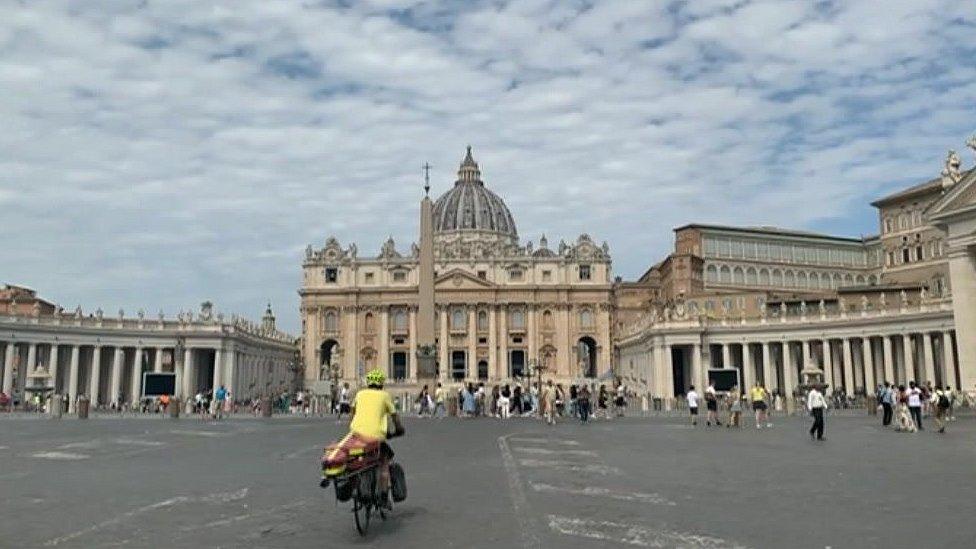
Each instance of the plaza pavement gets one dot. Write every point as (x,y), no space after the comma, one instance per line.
(486,483)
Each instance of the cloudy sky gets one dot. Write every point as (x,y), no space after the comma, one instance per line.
(158,153)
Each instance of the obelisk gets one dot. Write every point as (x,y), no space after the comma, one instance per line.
(426,347)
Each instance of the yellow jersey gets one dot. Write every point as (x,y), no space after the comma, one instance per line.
(758,394)
(373,408)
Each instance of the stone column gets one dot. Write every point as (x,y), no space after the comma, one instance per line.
(828,364)
(412,341)
(503,367)
(52,366)
(807,354)
(962,271)
(116,385)
(96,373)
(667,374)
(726,356)
(929,358)
(657,370)
(889,364)
(748,367)
(383,360)
(189,385)
(217,379)
(8,369)
(352,356)
(533,346)
(949,362)
(849,383)
(767,357)
(31,359)
(788,382)
(445,368)
(472,343)
(158,360)
(697,373)
(135,391)
(229,377)
(868,354)
(493,343)
(73,378)
(909,357)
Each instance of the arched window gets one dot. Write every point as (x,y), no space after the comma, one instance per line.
(836,281)
(725,275)
(790,279)
(370,323)
(860,280)
(801,280)
(848,280)
(331,322)
(482,321)
(711,274)
(777,278)
(457,319)
(814,280)
(738,276)
(751,278)
(547,322)
(586,318)
(763,277)
(400,321)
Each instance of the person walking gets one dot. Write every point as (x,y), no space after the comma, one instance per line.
(915,404)
(439,410)
(505,403)
(760,407)
(734,399)
(549,402)
(583,403)
(711,402)
(601,403)
(344,406)
(887,404)
(816,404)
(573,396)
(941,403)
(468,403)
(692,398)
(220,396)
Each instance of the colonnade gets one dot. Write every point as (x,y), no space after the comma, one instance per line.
(854,363)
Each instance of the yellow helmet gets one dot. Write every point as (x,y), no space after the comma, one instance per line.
(375,377)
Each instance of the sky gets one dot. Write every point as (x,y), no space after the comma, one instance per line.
(156,154)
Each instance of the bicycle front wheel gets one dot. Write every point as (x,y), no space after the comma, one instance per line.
(361,510)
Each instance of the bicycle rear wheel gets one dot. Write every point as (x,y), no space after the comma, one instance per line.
(361,510)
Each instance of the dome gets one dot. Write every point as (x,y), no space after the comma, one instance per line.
(470,206)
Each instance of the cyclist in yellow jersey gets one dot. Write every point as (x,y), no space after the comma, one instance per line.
(759,406)
(372,409)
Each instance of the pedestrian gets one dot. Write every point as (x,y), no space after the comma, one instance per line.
(220,396)
(573,396)
(583,403)
(734,399)
(887,404)
(493,405)
(549,402)
(601,403)
(620,402)
(941,402)
(760,407)
(423,402)
(468,403)
(905,422)
(816,404)
(560,400)
(344,400)
(915,404)
(439,410)
(711,402)
(517,404)
(692,398)
(505,403)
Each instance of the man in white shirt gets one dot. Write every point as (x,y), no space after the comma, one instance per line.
(816,404)
(692,398)
(915,404)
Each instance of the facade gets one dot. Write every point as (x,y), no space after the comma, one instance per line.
(104,358)
(772,302)
(20,300)
(500,307)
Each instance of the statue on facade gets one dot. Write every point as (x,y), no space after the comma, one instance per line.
(842,305)
(161,316)
(414,250)
(141,314)
(922,294)
(864,303)
(763,312)
(903,297)
(308,252)
(822,307)
(667,313)
(883,301)
(952,172)
(121,315)
(99,313)
(782,310)
(971,142)
(78,312)
(353,250)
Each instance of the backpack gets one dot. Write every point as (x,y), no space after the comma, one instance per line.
(943,401)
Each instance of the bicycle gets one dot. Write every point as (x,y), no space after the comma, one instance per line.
(352,466)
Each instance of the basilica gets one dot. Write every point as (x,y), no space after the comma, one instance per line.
(502,308)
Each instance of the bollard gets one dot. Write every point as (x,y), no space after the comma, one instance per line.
(54,406)
(265,407)
(82,407)
(174,407)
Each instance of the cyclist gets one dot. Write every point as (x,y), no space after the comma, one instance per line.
(371,410)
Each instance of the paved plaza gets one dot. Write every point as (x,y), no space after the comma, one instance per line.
(487,483)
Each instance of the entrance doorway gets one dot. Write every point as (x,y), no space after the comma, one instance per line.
(457,365)
(399,365)
(586,352)
(325,357)
(517,363)
(482,369)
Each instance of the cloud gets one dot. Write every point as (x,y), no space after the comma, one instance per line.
(156,154)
